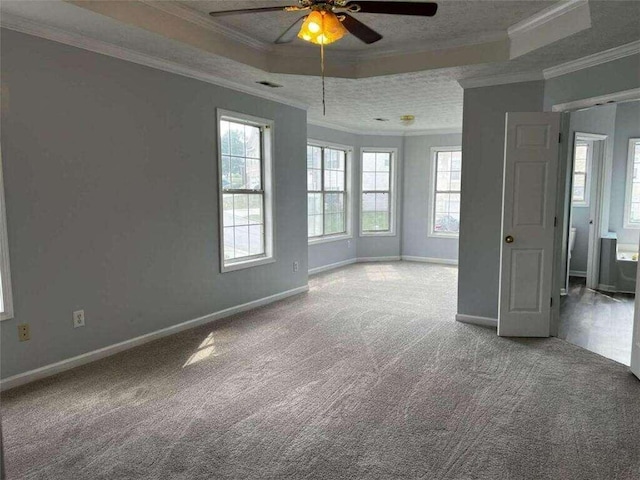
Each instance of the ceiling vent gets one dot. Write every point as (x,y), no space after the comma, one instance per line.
(269,84)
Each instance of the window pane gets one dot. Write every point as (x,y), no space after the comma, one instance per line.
(333,223)
(334,203)
(236,139)
(226,172)
(238,173)
(444,161)
(635,192)
(241,243)
(252,141)
(456,181)
(229,253)
(368,162)
(456,161)
(383,162)
(314,157)
(256,215)
(227,210)
(224,137)
(382,181)
(314,179)
(635,212)
(256,239)
(254,177)
(443,182)
(368,181)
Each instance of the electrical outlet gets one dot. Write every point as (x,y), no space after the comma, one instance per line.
(24,333)
(296,266)
(78,318)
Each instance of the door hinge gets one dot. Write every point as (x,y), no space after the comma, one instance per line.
(560,137)
(551,302)
(555,222)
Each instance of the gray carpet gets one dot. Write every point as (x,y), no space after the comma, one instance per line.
(366,377)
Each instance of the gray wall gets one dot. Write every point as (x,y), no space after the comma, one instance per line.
(599,120)
(111,195)
(481,207)
(324,254)
(627,125)
(417,202)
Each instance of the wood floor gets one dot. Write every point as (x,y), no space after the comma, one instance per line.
(597,321)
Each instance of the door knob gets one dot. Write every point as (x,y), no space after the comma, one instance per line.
(509,239)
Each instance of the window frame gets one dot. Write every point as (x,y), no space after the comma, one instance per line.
(587,174)
(393,192)
(347,192)
(629,185)
(267,171)
(5,267)
(431,206)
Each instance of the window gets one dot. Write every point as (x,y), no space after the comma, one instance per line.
(378,190)
(245,191)
(6,301)
(581,173)
(327,202)
(446,182)
(632,204)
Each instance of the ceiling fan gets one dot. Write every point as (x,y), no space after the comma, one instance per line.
(330,20)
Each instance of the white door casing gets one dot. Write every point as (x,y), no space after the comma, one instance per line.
(635,341)
(528,224)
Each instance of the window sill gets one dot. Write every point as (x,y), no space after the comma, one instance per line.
(631,226)
(233,267)
(329,238)
(452,236)
(6,316)
(377,234)
(580,205)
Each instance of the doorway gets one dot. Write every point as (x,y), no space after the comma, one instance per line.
(597,303)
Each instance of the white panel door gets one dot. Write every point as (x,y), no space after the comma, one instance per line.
(528,223)
(635,341)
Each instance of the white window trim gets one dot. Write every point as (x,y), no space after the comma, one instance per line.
(269,204)
(393,193)
(588,175)
(431,205)
(5,269)
(348,202)
(629,187)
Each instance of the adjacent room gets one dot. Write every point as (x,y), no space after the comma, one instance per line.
(319,239)
(597,311)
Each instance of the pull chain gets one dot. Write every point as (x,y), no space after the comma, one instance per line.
(324,106)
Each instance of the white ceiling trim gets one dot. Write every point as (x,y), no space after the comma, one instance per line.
(548,26)
(500,79)
(615,53)
(545,16)
(618,97)
(19,24)
(190,15)
(390,133)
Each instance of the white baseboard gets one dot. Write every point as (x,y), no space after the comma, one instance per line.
(394,258)
(611,289)
(577,273)
(483,321)
(443,261)
(563,292)
(52,369)
(331,266)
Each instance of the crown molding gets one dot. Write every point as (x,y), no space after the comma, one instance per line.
(617,97)
(544,16)
(610,55)
(198,18)
(390,132)
(500,79)
(22,25)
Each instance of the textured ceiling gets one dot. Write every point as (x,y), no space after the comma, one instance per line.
(455,21)
(433,96)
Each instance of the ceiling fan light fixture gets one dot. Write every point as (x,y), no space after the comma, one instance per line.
(322,27)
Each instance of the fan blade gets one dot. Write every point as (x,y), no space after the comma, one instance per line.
(359,29)
(293,8)
(290,33)
(424,9)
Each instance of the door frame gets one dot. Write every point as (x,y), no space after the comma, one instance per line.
(596,206)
